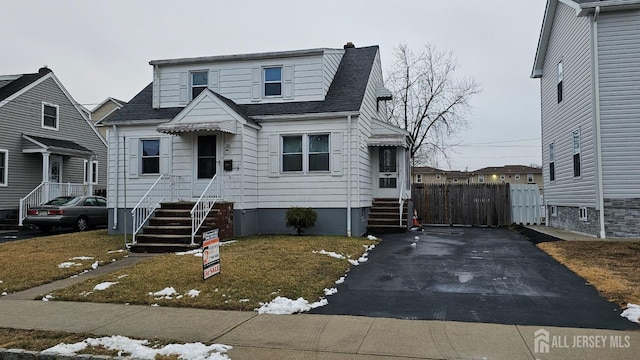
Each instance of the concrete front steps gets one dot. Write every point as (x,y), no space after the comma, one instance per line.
(169,229)
(384,216)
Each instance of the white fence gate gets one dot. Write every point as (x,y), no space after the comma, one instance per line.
(526,206)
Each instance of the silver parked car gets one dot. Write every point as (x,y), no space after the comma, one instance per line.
(80,212)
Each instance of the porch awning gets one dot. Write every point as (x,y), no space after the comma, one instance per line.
(395,140)
(182,127)
(39,144)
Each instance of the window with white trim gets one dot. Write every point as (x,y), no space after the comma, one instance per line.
(576,153)
(502,177)
(438,176)
(272,81)
(50,116)
(91,173)
(560,81)
(419,178)
(552,162)
(4,167)
(531,179)
(305,153)
(554,210)
(583,213)
(516,176)
(150,156)
(481,179)
(199,81)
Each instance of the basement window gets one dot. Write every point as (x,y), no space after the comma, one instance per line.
(553,210)
(583,213)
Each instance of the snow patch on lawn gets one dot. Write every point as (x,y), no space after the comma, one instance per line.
(193,293)
(48,297)
(285,306)
(82,258)
(632,313)
(104,286)
(330,253)
(95,265)
(194,252)
(139,349)
(68,264)
(341,280)
(329,292)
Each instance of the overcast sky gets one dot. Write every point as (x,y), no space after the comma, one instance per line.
(103,48)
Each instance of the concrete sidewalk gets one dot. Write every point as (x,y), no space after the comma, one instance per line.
(304,336)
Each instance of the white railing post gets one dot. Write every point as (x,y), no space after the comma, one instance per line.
(203,206)
(161,190)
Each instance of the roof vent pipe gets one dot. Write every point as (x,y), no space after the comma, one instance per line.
(349,45)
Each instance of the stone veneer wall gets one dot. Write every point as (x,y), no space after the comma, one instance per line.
(622,217)
(223,219)
(569,218)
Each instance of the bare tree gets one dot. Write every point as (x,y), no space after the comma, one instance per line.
(429,101)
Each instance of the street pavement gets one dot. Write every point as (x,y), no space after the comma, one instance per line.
(313,336)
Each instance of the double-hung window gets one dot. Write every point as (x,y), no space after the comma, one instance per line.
(4,167)
(481,179)
(273,81)
(199,80)
(91,174)
(560,81)
(531,179)
(305,153)
(552,162)
(419,178)
(576,153)
(150,160)
(50,114)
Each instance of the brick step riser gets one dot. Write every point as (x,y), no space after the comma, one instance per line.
(154,231)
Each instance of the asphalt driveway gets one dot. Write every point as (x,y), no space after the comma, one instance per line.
(484,275)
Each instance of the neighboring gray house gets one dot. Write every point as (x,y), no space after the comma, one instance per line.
(589,70)
(48,145)
(267,131)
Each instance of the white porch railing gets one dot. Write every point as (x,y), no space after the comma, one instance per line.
(166,187)
(47,191)
(402,195)
(204,205)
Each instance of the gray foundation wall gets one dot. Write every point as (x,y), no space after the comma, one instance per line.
(622,217)
(272,221)
(568,218)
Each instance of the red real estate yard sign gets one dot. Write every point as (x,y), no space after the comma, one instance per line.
(210,254)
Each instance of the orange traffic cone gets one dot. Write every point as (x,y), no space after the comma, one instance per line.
(415,218)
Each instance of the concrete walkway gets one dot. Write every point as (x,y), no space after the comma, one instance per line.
(307,336)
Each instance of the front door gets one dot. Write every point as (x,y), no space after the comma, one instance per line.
(55,176)
(387,172)
(206,162)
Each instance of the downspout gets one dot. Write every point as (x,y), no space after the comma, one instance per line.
(116,157)
(596,77)
(349,175)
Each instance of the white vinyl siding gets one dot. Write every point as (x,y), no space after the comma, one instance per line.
(570,43)
(241,81)
(331,62)
(619,68)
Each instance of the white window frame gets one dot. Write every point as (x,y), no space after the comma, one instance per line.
(438,176)
(42,124)
(583,213)
(503,177)
(560,83)
(191,86)
(93,176)
(553,210)
(516,176)
(419,178)
(481,179)
(265,82)
(5,168)
(576,139)
(552,161)
(141,157)
(305,153)
(531,179)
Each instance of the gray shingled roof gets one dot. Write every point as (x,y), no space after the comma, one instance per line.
(57,143)
(345,94)
(21,82)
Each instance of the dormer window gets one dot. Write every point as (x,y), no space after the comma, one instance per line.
(199,81)
(49,116)
(273,81)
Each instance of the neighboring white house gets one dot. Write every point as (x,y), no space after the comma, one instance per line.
(279,129)
(588,65)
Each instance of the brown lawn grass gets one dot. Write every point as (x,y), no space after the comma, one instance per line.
(613,267)
(28,263)
(253,270)
(38,340)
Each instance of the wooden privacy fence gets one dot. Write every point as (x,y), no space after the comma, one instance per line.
(464,204)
